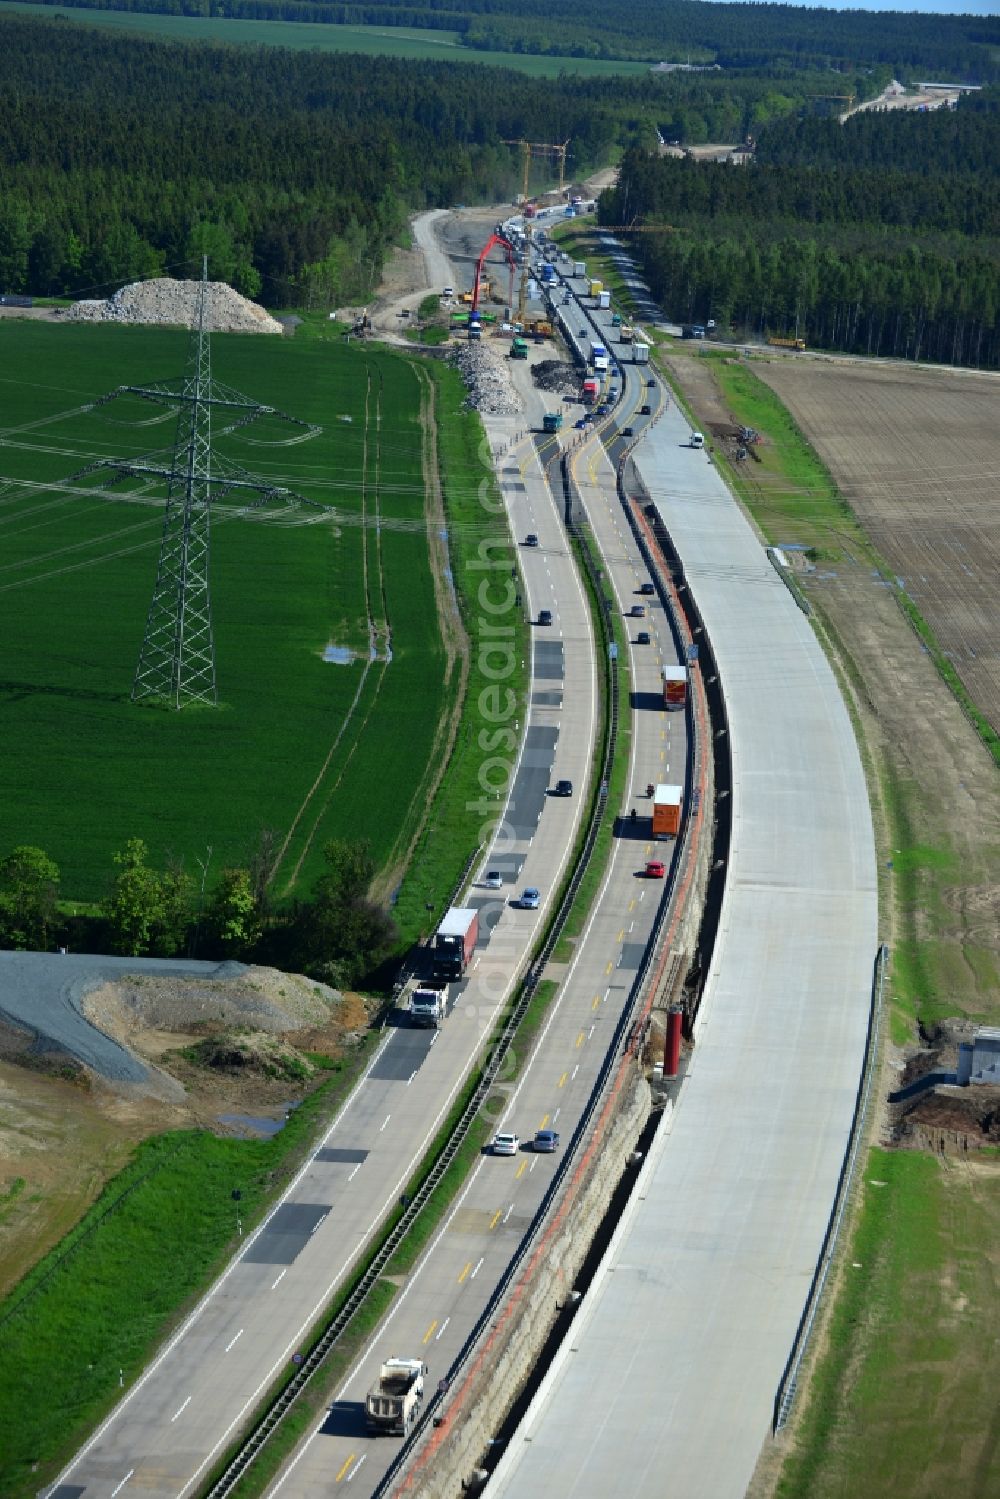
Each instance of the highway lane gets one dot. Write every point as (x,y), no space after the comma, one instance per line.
(170,1426)
(680,1343)
(445,1294)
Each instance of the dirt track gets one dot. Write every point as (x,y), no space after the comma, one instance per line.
(914,452)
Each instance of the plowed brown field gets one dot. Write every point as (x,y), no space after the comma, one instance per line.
(916,455)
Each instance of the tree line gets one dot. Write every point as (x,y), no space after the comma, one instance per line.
(896,255)
(122,158)
(736,36)
(337,935)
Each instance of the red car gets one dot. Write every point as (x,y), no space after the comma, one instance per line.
(655,870)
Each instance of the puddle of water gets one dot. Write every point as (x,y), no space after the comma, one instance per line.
(261,1127)
(340,655)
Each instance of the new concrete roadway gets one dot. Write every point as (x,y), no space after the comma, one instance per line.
(666,1385)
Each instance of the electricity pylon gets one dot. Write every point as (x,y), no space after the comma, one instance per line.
(177,656)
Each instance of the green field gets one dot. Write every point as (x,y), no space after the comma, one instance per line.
(84,768)
(379,41)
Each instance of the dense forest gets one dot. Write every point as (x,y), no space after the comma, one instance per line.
(123,157)
(740,36)
(120,157)
(880,235)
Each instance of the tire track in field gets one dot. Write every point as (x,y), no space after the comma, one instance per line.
(367,521)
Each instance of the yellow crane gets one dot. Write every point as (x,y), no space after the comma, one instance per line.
(546,150)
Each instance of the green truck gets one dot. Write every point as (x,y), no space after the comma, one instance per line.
(519,349)
(552,421)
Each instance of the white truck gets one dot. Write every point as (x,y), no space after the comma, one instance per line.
(429,1004)
(392,1403)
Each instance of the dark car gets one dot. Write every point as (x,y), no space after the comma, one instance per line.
(546,1141)
(647,588)
(545,616)
(564,788)
(651,384)
(645,410)
(642,638)
(531,540)
(627,432)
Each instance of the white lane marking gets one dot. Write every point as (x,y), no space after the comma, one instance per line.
(479,1266)
(350,1179)
(441,1329)
(276,1283)
(507,1213)
(124,1481)
(411,1077)
(555,1116)
(316,1225)
(631,926)
(574,1072)
(357,1465)
(235,1340)
(534,1163)
(591,1031)
(385,1121)
(605,999)
(183,1408)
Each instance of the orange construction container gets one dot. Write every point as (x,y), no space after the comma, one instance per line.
(667,811)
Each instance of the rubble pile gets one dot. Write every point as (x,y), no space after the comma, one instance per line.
(167,301)
(557,376)
(485,373)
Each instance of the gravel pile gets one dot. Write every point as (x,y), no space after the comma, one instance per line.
(556,375)
(486,375)
(168,301)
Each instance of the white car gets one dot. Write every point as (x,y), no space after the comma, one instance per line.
(494,880)
(505,1143)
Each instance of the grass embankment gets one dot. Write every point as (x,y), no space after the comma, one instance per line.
(376,41)
(902,1398)
(475,514)
(104,1299)
(917,1414)
(78,576)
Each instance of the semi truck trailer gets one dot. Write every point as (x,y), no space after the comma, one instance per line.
(455,942)
(666,811)
(674,686)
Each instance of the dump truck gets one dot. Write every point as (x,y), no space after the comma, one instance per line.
(787,343)
(666,811)
(626,333)
(394,1399)
(455,942)
(552,421)
(429,1004)
(675,686)
(519,349)
(596,287)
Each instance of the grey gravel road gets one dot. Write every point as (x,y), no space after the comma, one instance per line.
(43,993)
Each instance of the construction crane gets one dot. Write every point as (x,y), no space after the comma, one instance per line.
(545,150)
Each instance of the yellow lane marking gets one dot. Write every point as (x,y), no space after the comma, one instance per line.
(545,1120)
(562,1080)
(521,1169)
(631,904)
(608,969)
(344,1469)
(430,1331)
(580,1039)
(597,1001)
(496,1218)
(465,1272)
(621,934)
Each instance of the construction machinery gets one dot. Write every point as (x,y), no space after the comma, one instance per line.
(529,149)
(481,286)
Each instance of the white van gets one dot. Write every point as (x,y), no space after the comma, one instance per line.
(697,440)
(449,291)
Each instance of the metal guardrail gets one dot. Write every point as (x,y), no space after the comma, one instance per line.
(785,1395)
